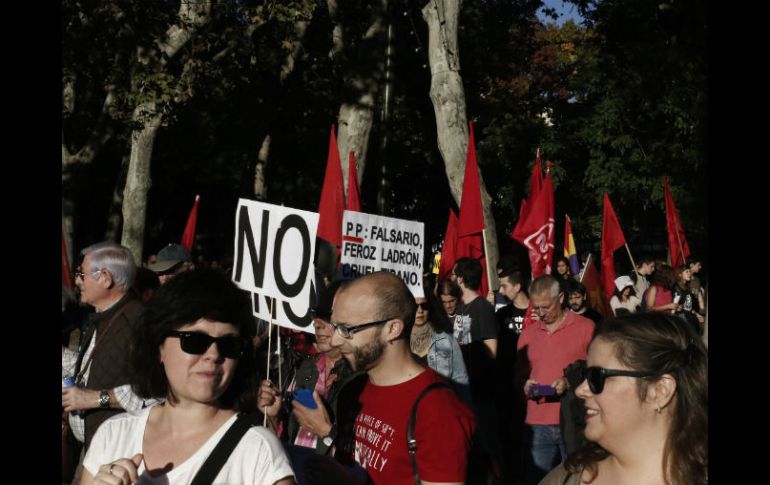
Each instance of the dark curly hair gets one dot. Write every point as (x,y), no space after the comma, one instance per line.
(185,299)
(660,344)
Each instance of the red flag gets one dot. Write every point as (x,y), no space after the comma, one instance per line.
(536,231)
(332,203)
(677,244)
(522,211)
(354,196)
(536,181)
(188,236)
(66,274)
(448,251)
(612,239)
(470,241)
(594,291)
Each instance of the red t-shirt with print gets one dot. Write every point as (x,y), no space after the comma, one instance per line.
(443,429)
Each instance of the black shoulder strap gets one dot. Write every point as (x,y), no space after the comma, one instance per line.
(219,455)
(411,441)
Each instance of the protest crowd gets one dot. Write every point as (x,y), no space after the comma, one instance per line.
(548,371)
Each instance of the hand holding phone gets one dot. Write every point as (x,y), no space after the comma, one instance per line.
(305,397)
(538,390)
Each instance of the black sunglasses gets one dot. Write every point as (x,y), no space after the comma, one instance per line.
(596,376)
(425,306)
(197,343)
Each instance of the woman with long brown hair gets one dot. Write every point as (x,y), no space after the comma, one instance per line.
(646,399)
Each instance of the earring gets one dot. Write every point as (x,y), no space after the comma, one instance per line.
(658,410)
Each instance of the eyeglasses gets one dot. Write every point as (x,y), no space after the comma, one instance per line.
(450,300)
(425,306)
(345,331)
(80,274)
(596,376)
(197,343)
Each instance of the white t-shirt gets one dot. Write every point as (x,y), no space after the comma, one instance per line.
(258,459)
(629,304)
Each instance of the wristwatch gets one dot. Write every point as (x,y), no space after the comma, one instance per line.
(329,438)
(104,399)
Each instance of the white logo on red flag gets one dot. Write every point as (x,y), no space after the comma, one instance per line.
(540,244)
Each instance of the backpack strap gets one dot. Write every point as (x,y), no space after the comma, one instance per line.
(219,455)
(411,441)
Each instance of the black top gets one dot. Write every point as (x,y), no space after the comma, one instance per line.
(482,368)
(593,315)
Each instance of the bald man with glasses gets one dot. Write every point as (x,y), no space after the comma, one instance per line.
(372,319)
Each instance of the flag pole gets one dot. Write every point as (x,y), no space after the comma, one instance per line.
(269,344)
(633,264)
(583,273)
(278,352)
(679,240)
(486,258)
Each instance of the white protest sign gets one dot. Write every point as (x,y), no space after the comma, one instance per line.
(274,250)
(372,243)
(290,314)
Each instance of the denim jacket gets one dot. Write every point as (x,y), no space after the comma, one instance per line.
(444,356)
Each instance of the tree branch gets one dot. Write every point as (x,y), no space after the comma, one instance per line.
(192,15)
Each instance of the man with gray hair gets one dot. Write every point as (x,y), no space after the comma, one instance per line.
(100,367)
(545,349)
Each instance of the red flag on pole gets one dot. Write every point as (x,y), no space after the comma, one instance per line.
(522,211)
(594,290)
(66,274)
(332,203)
(536,181)
(449,249)
(354,196)
(470,241)
(536,230)
(612,239)
(677,244)
(188,236)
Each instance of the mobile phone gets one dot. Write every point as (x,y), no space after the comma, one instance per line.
(537,390)
(305,397)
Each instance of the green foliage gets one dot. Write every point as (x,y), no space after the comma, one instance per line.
(616,103)
(625,98)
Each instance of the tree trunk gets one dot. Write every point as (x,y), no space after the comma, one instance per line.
(114,220)
(260,187)
(193,14)
(448,97)
(138,179)
(353,129)
(67,224)
(354,121)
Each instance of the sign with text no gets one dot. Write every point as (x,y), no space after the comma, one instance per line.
(372,243)
(273,258)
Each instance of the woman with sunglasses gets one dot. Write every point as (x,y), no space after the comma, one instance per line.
(434,345)
(191,348)
(646,400)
